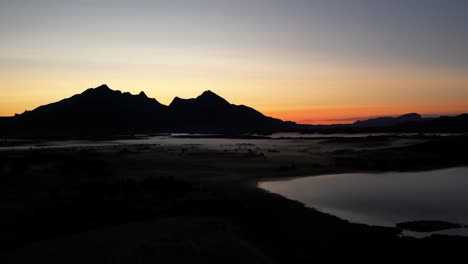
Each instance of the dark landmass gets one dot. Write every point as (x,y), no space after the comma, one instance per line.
(450,151)
(389,121)
(104,112)
(441,124)
(427,226)
(408,123)
(174,204)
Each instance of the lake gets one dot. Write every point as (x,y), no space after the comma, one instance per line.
(384,199)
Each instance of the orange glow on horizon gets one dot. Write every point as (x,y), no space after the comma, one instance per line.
(322,115)
(309,62)
(343,115)
(319,101)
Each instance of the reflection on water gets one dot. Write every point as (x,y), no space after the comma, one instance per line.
(383,198)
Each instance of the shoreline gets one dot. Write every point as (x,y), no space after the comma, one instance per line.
(186,181)
(420,226)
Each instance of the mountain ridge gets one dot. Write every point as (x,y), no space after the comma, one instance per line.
(102,110)
(387,121)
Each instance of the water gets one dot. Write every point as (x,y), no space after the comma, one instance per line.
(163,140)
(207,140)
(354,135)
(384,199)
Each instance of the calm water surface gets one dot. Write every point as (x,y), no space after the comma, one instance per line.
(384,198)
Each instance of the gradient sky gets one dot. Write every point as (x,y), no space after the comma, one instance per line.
(322,61)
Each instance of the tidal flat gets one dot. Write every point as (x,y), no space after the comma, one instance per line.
(197,201)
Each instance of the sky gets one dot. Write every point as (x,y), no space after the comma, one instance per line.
(320,62)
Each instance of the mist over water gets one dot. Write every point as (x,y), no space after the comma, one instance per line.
(206,140)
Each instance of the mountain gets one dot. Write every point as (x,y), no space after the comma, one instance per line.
(210,112)
(457,123)
(95,111)
(411,123)
(103,111)
(389,121)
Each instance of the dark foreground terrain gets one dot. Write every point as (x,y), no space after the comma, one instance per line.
(192,204)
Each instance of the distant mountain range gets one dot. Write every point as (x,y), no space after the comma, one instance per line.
(389,121)
(457,123)
(102,111)
(414,122)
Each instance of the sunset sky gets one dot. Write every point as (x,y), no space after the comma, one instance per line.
(323,61)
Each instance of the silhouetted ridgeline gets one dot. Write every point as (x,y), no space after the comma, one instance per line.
(441,124)
(414,122)
(102,111)
(408,123)
(389,121)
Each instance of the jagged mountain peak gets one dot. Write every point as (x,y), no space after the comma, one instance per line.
(207,98)
(211,98)
(103,110)
(103,87)
(104,92)
(101,90)
(177,100)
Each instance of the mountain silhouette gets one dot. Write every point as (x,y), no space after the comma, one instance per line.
(389,121)
(210,112)
(457,124)
(103,111)
(413,123)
